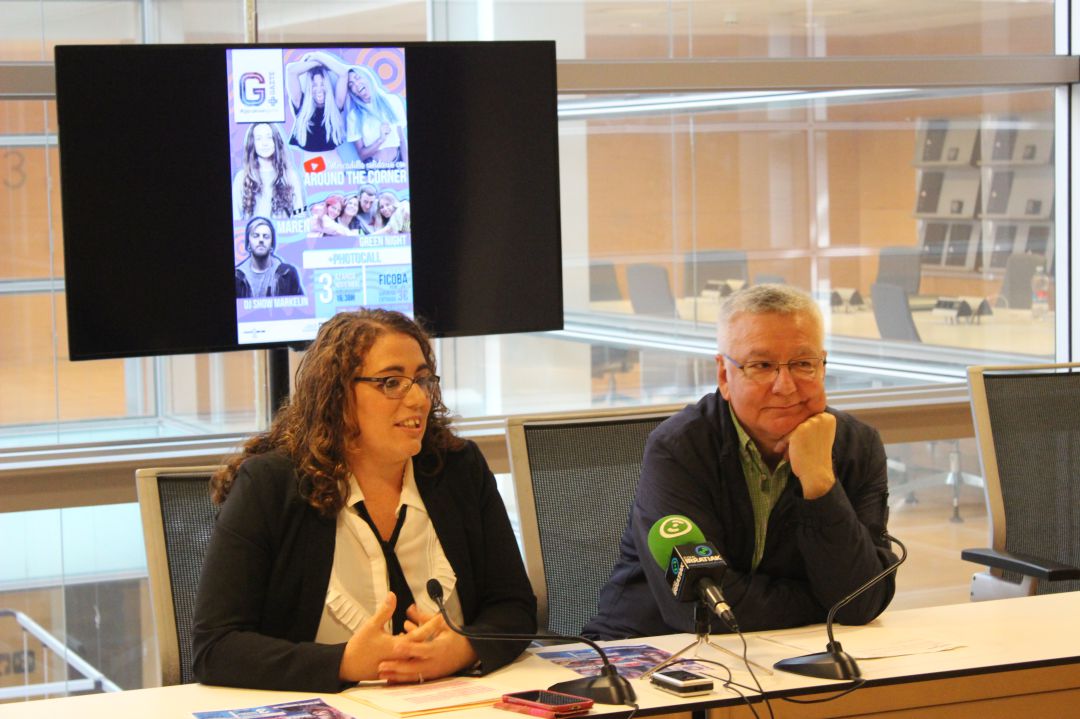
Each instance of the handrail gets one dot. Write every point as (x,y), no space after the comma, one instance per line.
(94,679)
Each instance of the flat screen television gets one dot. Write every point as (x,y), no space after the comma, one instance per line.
(225,197)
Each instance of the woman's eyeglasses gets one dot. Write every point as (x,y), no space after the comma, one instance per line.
(397,386)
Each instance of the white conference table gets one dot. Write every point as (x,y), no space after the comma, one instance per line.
(1008,654)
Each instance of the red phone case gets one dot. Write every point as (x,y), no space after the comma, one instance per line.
(540,711)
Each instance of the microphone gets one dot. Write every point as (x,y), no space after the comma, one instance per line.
(693,566)
(834,662)
(609,687)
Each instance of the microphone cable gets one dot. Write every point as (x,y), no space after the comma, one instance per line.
(619,685)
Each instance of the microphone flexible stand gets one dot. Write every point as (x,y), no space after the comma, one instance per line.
(701,629)
(834,662)
(609,687)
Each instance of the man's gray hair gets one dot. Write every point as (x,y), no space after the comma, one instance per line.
(766,299)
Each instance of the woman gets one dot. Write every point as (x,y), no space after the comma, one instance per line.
(331,223)
(319,125)
(349,214)
(266,185)
(357,486)
(395,213)
(375,119)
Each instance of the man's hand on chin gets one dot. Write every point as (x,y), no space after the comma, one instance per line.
(809,450)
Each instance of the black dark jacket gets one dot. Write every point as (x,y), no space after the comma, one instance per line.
(816,551)
(286,282)
(268,564)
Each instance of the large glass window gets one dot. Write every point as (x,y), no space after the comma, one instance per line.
(817,28)
(685,194)
(918,219)
(292,21)
(74,605)
(44,398)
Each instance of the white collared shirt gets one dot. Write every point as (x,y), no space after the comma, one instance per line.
(359,581)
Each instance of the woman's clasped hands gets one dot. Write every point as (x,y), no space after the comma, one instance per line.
(426,650)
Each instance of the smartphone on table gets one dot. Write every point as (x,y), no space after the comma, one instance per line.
(545,703)
(681,682)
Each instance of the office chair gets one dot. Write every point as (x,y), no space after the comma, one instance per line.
(605,360)
(700,267)
(1016,287)
(892,313)
(177,519)
(575,475)
(901,266)
(650,290)
(909,473)
(895,322)
(1027,425)
(603,285)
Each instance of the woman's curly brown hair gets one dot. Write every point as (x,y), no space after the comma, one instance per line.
(319,424)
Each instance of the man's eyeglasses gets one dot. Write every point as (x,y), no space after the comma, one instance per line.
(766,371)
(397,386)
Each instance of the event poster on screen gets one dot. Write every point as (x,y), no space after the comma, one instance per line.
(320,187)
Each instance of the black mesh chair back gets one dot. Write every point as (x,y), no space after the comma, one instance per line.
(700,267)
(575,477)
(892,313)
(177,517)
(900,266)
(650,290)
(1027,422)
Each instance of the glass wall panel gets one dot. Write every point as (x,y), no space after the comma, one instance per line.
(917,219)
(292,21)
(74,603)
(771,188)
(45,398)
(32,28)
(814,28)
(937,509)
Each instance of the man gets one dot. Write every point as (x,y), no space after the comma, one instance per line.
(264,274)
(367,218)
(792,494)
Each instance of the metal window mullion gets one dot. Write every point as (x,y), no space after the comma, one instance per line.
(35,80)
(625,76)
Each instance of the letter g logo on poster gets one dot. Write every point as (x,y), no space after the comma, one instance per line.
(252,89)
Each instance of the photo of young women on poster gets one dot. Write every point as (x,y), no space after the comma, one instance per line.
(375,118)
(319,125)
(266,185)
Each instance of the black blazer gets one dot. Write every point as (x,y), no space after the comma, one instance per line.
(268,565)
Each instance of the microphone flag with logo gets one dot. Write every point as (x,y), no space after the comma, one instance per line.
(669,532)
(693,566)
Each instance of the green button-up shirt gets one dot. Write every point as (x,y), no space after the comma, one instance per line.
(764,486)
